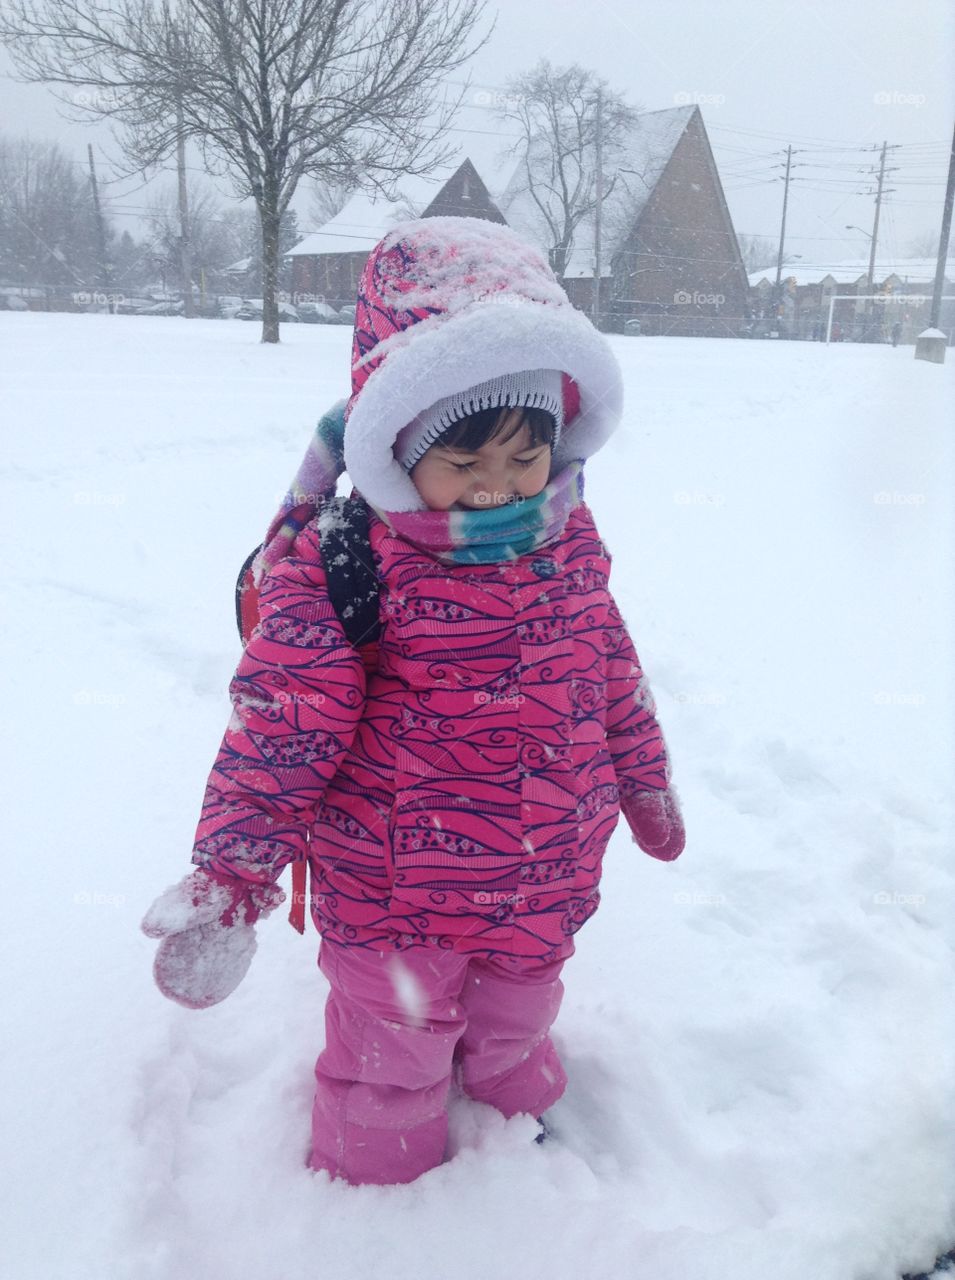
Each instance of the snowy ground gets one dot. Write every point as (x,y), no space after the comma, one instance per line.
(759,1036)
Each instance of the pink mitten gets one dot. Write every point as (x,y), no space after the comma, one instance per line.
(208,939)
(656,823)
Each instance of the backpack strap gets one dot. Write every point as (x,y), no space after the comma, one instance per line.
(349,570)
(349,567)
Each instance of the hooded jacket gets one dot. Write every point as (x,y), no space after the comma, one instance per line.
(456,783)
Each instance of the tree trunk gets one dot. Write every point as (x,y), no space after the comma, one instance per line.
(270,270)
(559,261)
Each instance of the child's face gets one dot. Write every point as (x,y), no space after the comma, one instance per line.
(451,478)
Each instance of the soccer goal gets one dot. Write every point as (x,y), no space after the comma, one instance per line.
(912,299)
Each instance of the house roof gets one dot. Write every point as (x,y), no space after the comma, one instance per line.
(367,217)
(850,270)
(646,152)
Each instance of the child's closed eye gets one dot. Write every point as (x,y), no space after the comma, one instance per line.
(521,462)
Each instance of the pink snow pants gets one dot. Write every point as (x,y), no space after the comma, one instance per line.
(397,1025)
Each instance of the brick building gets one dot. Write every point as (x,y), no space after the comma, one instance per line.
(670,258)
(327,265)
(669,255)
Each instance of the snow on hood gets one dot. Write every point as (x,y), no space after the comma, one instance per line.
(445,303)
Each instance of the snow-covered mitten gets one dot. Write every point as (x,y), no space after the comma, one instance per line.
(656,822)
(206,923)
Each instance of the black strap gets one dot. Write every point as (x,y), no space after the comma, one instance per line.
(349,569)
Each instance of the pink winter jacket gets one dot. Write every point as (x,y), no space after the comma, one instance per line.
(457,784)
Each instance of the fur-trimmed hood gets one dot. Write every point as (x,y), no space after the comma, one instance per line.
(445,303)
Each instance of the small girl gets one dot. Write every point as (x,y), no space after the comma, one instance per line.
(453,785)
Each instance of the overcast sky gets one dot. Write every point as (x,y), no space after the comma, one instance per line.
(831,77)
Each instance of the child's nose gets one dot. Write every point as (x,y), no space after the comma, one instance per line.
(499,482)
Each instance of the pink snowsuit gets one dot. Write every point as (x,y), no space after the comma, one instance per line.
(454,789)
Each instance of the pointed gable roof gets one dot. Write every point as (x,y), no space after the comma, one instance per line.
(464,195)
(644,155)
(455,189)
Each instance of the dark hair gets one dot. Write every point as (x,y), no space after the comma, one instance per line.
(470,433)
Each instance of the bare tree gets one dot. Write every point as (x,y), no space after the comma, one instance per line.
(561,113)
(270,90)
(47,228)
(328,199)
(757,252)
(210,244)
(924,245)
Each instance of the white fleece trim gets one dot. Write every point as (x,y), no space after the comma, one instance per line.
(481,341)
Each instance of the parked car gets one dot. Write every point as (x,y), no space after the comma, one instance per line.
(13,302)
(632,327)
(317,313)
(251,309)
(346,314)
(134,306)
(168,307)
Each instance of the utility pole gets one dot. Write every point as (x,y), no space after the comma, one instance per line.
(870,277)
(777,289)
(598,210)
(100,229)
(185,249)
(931,343)
(782,229)
(943,242)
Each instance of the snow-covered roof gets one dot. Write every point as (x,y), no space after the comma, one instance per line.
(851,270)
(644,155)
(367,217)
(356,228)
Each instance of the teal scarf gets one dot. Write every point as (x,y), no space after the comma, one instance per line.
(456,537)
(494,533)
